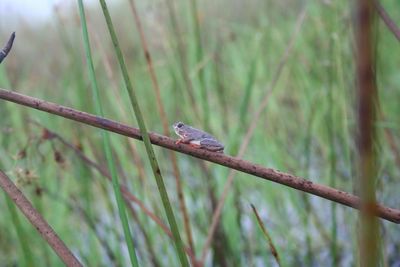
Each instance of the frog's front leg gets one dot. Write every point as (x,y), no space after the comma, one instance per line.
(183,141)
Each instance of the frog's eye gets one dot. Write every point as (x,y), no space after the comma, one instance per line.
(179,124)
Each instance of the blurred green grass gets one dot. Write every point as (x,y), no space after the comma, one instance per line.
(307,128)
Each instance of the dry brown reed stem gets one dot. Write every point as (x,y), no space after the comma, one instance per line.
(182,57)
(388,21)
(250,131)
(37,221)
(164,120)
(367,100)
(271,245)
(238,164)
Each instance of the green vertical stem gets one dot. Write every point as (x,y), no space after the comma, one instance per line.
(332,160)
(146,140)
(305,198)
(84,172)
(106,142)
(22,236)
(366,133)
(245,104)
(164,120)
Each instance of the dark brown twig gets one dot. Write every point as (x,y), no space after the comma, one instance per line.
(182,57)
(271,245)
(388,21)
(37,221)
(7,48)
(290,180)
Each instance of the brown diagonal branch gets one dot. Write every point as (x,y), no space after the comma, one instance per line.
(290,180)
(37,221)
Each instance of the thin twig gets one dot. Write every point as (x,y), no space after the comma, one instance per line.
(7,48)
(38,222)
(388,21)
(271,245)
(182,56)
(238,164)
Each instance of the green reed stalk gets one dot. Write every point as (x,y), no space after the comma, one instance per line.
(106,141)
(16,223)
(149,149)
(22,237)
(330,125)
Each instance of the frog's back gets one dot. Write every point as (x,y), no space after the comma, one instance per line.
(199,134)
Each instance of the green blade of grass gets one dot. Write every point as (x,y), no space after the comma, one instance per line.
(22,237)
(16,223)
(106,142)
(149,149)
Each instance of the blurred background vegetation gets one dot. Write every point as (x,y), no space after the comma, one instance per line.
(215,62)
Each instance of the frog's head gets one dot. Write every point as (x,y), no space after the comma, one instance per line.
(180,128)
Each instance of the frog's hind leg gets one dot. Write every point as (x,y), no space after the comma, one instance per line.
(212,145)
(195,144)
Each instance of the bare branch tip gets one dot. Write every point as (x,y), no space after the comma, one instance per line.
(7,48)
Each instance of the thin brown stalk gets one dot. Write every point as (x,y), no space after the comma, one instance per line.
(392,143)
(150,68)
(238,164)
(271,245)
(250,131)
(366,136)
(391,140)
(221,251)
(388,21)
(164,120)
(37,221)
(182,56)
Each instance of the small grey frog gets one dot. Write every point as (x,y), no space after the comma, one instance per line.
(197,138)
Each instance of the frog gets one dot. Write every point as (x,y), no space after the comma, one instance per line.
(196,138)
